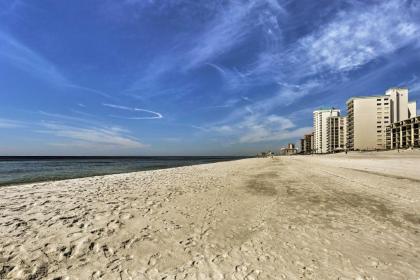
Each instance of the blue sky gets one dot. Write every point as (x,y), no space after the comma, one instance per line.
(144,77)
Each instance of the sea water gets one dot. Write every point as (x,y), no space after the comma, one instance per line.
(18,170)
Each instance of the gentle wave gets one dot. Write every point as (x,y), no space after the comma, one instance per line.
(19,170)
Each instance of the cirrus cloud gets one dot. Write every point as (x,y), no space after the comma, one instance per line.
(6,123)
(155,115)
(107,137)
(361,35)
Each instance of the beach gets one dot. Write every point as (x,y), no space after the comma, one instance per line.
(354,216)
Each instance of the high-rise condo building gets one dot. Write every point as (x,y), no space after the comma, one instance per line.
(412,109)
(367,120)
(401,108)
(336,134)
(320,128)
(369,116)
(307,143)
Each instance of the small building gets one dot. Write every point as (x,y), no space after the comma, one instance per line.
(289,150)
(265,154)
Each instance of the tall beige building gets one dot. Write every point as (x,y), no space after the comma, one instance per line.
(320,128)
(336,134)
(412,109)
(369,116)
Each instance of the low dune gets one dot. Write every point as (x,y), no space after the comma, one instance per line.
(354,216)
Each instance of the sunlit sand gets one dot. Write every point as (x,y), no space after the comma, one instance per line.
(354,216)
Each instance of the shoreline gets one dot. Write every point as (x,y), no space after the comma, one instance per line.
(291,217)
(352,154)
(161,167)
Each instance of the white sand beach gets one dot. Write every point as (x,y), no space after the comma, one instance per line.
(354,216)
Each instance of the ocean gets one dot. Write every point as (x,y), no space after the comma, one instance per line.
(18,170)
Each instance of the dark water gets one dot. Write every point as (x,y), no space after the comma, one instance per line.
(17,170)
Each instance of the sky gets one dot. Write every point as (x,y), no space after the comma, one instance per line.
(192,77)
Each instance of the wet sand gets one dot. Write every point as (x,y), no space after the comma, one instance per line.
(354,216)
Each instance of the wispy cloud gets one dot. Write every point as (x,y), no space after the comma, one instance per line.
(288,93)
(199,127)
(258,134)
(257,128)
(310,65)
(87,89)
(270,128)
(6,123)
(352,38)
(413,85)
(228,29)
(155,115)
(238,66)
(107,137)
(28,60)
(85,131)
(285,95)
(231,26)
(233,102)
(233,78)
(360,35)
(71,119)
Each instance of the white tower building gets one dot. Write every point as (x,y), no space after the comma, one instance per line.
(320,128)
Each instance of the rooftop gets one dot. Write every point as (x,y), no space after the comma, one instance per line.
(365,97)
(326,109)
(377,96)
(397,88)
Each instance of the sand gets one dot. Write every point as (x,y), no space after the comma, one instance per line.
(354,216)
